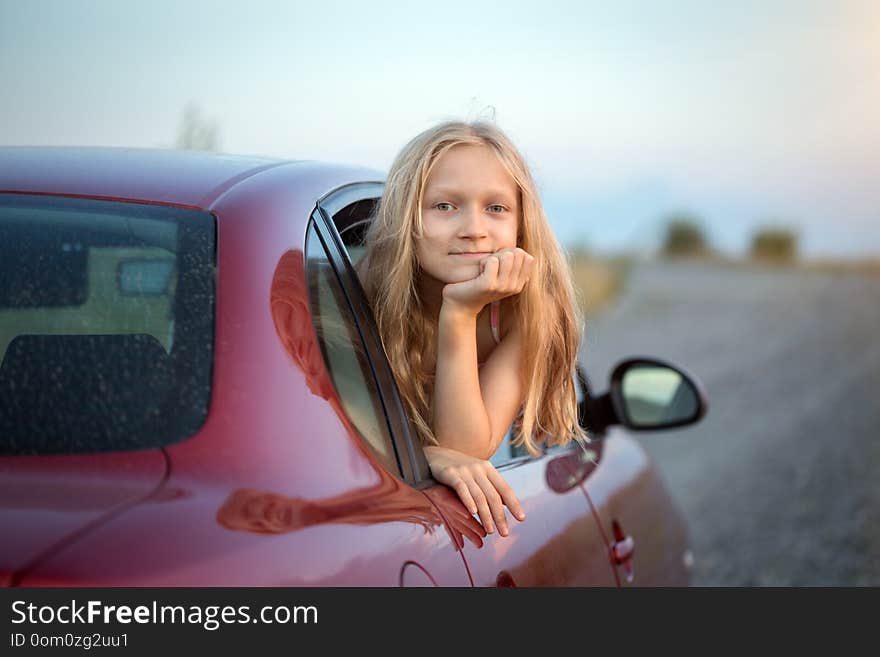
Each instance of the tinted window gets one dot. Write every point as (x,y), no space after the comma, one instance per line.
(106,324)
(344,353)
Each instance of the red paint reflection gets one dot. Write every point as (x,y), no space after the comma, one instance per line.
(289,303)
(264,512)
(390,500)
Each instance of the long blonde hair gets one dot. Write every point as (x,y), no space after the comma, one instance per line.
(545,311)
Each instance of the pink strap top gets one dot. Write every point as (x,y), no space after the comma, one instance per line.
(494,323)
(494,320)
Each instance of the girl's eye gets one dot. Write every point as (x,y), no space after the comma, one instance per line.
(497,209)
(442,206)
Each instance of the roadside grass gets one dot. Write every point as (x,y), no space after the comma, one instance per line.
(599,281)
(869,266)
(858,266)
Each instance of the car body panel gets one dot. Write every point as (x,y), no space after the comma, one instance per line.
(191,533)
(48,501)
(190,179)
(627,488)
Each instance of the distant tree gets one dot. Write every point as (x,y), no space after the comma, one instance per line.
(774,244)
(684,236)
(197,133)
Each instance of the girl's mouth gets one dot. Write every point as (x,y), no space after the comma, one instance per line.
(481,254)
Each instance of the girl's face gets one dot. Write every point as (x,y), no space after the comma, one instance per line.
(470,205)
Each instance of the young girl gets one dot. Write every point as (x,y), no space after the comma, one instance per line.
(475,306)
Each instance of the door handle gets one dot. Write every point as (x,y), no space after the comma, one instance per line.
(622,550)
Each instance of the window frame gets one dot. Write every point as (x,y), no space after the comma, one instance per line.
(411,459)
(323,279)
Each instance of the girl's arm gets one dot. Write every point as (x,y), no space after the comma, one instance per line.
(472,410)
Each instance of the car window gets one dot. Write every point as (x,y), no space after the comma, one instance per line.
(344,353)
(106,324)
(506,452)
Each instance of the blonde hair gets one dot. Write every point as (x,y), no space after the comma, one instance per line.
(546,310)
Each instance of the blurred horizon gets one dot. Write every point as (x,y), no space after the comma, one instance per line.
(745,116)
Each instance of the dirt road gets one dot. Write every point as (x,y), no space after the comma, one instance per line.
(781,481)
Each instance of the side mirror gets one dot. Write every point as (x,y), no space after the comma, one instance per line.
(646,394)
(649,394)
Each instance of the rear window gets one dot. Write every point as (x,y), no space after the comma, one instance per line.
(106,324)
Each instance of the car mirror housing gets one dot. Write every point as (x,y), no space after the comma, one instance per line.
(645,394)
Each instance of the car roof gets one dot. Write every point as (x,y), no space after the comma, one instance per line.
(188,178)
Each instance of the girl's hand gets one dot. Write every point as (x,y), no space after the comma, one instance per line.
(479,486)
(502,274)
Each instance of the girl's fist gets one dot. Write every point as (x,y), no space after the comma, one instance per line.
(502,274)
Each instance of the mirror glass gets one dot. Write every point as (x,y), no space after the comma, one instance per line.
(657,396)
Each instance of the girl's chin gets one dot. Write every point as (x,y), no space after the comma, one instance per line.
(463,274)
(458,274)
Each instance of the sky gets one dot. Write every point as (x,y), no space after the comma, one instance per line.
(742,114)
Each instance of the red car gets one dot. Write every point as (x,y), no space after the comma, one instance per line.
(192,392)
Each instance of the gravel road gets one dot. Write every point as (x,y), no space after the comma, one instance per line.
(780,483)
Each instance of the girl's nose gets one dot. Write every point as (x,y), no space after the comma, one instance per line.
(473,223)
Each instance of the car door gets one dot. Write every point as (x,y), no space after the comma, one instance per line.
(560,542)
(646,532)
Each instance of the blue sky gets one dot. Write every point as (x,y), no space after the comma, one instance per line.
(626,111)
